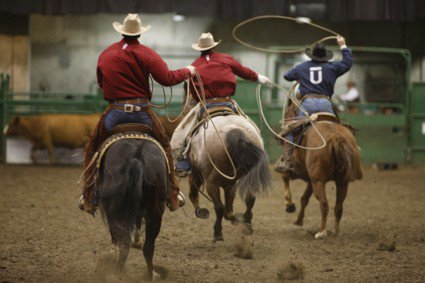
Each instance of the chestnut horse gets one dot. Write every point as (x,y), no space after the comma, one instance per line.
(338,161)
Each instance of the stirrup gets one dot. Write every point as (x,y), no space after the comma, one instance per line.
(283,166)
(182,199)
(182,173)
(82,206)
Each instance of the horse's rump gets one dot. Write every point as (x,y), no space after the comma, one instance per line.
(133,175)
(347,157)
(245,147)
(340,158)
(251,162)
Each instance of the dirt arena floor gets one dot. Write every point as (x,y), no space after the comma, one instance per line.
(44,237)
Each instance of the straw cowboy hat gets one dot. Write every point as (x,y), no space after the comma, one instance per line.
(205,42)
(319,53)
(132,26)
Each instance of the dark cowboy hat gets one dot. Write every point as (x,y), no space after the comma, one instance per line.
(319,53)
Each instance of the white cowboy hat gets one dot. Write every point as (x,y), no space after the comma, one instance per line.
(132,26)
(205,42)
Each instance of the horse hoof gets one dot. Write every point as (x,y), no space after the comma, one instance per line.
(290,208)
(298,222)
(202,213)
(321,235)
(247,230)
(238,218)
(218,238)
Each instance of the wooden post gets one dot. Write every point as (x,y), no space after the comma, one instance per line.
(4,88)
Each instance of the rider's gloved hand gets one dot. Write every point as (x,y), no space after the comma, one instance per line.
(341,42)
(264,80)
(191,69)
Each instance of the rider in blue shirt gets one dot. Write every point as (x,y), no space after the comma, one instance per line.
(317,79)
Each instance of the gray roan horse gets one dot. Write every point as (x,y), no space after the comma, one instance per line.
(133,185)
(246,149)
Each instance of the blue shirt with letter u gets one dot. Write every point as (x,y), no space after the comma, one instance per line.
(320,77)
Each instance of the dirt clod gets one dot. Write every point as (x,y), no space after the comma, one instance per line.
(244,248)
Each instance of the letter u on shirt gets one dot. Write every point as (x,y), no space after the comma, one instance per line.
(316,75)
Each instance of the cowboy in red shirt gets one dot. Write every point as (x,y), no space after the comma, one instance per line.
(217,72)
(123,72)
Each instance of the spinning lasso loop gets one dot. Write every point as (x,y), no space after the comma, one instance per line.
(208,118)
(295,101)
(301,50)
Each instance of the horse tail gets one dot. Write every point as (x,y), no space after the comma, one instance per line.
(123,195)
(347,155)
(251,162)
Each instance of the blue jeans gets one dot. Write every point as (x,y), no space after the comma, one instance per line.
(312,105)
(116,117)
(216,104)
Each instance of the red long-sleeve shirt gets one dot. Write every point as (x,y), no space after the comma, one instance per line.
(123,71)
(217,71)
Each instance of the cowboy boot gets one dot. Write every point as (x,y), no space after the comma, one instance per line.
(175,198)
(183,164)
(284,163)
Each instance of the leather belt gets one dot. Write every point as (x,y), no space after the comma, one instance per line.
(314,95)
(128,105)
(130,108)
(130,101)
(219,99)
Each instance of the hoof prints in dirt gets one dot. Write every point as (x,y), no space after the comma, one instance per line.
(388,245)
(292,271)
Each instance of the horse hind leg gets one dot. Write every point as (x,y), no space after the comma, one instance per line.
(320,194)
(304,201)
(341,193)
(214,193)
(229,198)
(120,235)
(289,205)
(249,202)
(195,183)
(153,221)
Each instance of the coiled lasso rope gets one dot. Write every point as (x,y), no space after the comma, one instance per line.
(301,50)
(294,100)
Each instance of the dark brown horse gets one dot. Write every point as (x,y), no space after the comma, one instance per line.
(338,161)
(132,185)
